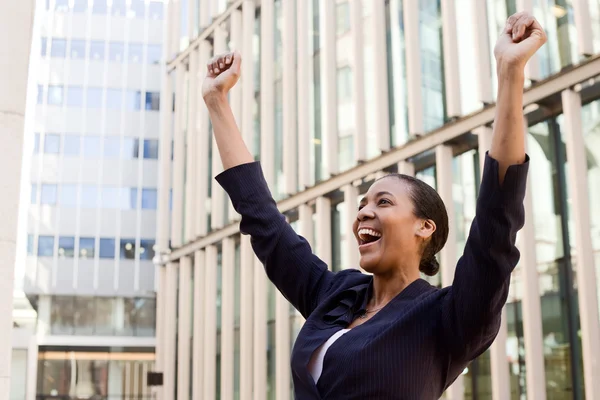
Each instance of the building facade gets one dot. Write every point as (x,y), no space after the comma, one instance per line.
(90,195)
(334,94)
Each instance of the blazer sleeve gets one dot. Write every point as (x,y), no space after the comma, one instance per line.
(472,308)
(288,259)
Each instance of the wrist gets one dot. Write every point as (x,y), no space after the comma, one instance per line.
(215,99)
(509,72)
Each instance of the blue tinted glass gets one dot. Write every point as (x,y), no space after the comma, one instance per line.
(133,100)
(128,249)
(149,199)
(55,95)
(116,51)
(107,248)
(68,196)
(59,48)
(36,143)
(48,195)
(40,95)
(135,53)
(112,147)
(52,144)
(33,193)
(114,99)
(45,246)
(66,246)
(129,198)
(154,54)
(146,249)
(99,7)
(155,10)
(77,51)
(87,247)
(91,146)
(80,5)
(152,101)
(131,148)
(89,196)
(74,96)
(110,197)
(151,149)
(138,8)
(71,145)
(94,98)
(62,5)
(96,50)
(30,245)
(118,8)
(44,47)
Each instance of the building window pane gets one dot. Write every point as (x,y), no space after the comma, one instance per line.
(33,193)
(138,8)
(80,6)
(152,101)
(89,196)
(112,147)
(99,7)
(87,247)
(74,96)
(68,196)
(59,48)
(44,47)
(133,100)
(85,316)
(344,85)
(62,5)
(51,144)
(107,248)
(96,50)
(46,246)
(131,148)
(77,51)
(71,145)
(343,18)
(62,316)
(110,197)
(140,316)
(119,8)
(128,249)
(129,198)
(136,53)
(36,143)
(154,54)
(116,51)
(114,99)
(105,311)
(151,149)
(94,98)
(146,249)
(155,10)
(149,199)
(40,94)
(55,95)
(66,246)
(48,194)
(91,146)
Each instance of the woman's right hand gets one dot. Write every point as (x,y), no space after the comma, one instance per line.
(223,72)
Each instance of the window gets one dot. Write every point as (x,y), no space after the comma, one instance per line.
(74,96)
(131,148)
(136,53)
(80,6)
(107,248)
(89,196)
(77,51)
(87,247)
(129,198)
(116,51)
(99,7)
(128,249)
(110,197)
(140,316)
(154,54)
(97,50)
(33,193)
(155,10)
(51,144)
(91,146)
(46,246)
(114,99)
(62,317)
(62,5)
(71,145)
(48,195)
(138,9)
(68,196)
(133,100)
(344,84)
(36,143)
(40,95)
(112,147)
(152,101)
(30,245)
(44,47)
(66,247)
(149,199)
(151,149)
(343,17)
(146,249)
(119,8)
(55,95)
(59,48)
(94,98)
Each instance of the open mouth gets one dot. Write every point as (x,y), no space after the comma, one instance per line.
(367,236)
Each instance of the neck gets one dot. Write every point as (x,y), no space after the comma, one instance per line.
(389,285)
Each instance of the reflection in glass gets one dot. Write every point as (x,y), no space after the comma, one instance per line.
(59,48)
(107,248)
(151,149)
(48,194)
(43,46)
(84,316)
(30,245)
(129,198)
(99,7)
(33,193)
(149,201)
(114,99)
(74,96)
(68,196)
(147,249)
(61,5)
(110,197)
(96,50)
(135,53)
(77,50)
(116,51)
(80,6)
(154,53)
(119,8)
(89,196)
(71,145)
(51,144)
(66,246)
(127,249)
(133,100)
(91,146)
(94,98)
(45,246)
(106,313)
(112,147)
(138,9)
(152,101)
(87,247)
(55,95)
(36,143)
(140,316)
(40,94)
(62,315)
(155,9)
(131,148)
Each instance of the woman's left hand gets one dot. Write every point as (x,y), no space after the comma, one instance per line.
(521,38)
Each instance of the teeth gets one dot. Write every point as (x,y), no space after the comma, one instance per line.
(364,231)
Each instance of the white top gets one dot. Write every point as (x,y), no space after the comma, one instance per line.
(315,366)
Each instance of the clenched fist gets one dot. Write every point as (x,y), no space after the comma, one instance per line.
(223,71)
(520,39)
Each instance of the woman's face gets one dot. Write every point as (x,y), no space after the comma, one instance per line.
(385,227)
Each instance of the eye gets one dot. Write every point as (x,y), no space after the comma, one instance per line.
(383,201)
(360,207)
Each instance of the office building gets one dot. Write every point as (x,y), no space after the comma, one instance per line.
(334,94)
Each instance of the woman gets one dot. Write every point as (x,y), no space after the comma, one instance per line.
(391,334)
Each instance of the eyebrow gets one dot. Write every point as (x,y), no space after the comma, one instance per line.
(379,194)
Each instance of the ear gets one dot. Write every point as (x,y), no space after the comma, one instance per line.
(426,228)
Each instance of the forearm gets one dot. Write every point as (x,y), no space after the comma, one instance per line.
(508,140)
(232,149)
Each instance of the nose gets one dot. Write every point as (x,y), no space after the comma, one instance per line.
(365,213)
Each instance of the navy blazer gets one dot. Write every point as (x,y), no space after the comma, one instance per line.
(423,339)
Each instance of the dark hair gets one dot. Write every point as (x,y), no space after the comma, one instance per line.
(428,204)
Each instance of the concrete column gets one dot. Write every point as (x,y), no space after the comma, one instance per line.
(413,67)
(305,217)
(351,206)
(184,328)
(16,23)
(214,8)
(379,57)
(227,318)
(210,323)
(192,159)
(267,90)
(174,8)
(235,94)
(448,255)
(483,51)
(584,258)
(532,69)
(305,60)
(161,292)
(178,159)
(218,194)
(260,332)
(202,148)
(398,84)
(406,168)
(247,49)
(290,146)
(451,68)
(583,25)
(198,345)
(192,11)
(329,126)
(323,222)
(164,170)
(205,17)
(170,310)
(246,318)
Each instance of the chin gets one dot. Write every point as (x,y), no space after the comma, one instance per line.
(369,264)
